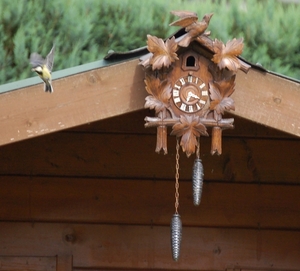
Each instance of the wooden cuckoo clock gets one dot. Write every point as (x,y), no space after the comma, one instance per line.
(189,80)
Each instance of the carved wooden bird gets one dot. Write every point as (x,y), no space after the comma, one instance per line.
(193,27)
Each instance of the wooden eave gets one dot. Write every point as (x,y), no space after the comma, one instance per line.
(115,86)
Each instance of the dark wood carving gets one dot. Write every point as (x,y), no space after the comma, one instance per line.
(190,81)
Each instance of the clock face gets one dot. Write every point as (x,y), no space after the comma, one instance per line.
(190,94)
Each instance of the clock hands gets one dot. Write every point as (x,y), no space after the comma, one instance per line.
(192,95)
(189,94)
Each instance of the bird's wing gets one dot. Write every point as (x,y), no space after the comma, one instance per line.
(36,60)
(186,18)
(50,59)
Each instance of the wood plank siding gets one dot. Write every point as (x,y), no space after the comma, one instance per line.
(98,197)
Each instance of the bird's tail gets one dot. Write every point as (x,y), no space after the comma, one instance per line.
(185,41)
(48,87)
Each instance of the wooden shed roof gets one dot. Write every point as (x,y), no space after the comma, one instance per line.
(115,86)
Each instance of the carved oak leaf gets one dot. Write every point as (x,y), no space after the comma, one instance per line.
(219,93)
(163,53)
(226,56)
(189,128)
(160,93)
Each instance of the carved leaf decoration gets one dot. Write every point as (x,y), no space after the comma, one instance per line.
(219,93)
(226,104)
(160,93)
(152,85)
(189,128)
(163,53)
(226,87)
(154,103)
(166,92)
(226,56)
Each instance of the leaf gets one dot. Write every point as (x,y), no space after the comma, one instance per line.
(226,87)
(189,128)
(215,94)
(152,85)
(188,143)
(219,93)
(163,53)
(226,56)
(226,104)
(153,103)
(160,93)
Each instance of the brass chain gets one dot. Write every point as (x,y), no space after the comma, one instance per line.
(177,178)
(198,148)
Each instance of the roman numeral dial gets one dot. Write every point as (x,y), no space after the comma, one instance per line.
(190,94)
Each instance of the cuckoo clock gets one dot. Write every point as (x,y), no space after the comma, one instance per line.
(190,80)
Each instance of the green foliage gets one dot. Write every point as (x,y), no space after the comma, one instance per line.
(85,30)
(270,35)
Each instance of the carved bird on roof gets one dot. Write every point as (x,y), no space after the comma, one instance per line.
(193,27)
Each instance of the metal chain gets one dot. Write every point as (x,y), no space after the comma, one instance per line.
(177,178)
(198,148)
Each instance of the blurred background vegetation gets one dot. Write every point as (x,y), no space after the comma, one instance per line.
(85,30)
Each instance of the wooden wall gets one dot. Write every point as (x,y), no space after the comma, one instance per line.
(98,197)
